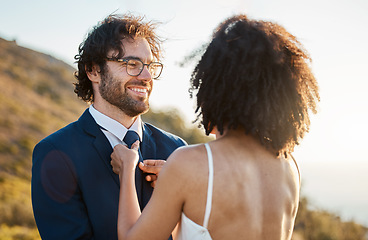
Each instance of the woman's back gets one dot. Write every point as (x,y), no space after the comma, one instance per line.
(255,195)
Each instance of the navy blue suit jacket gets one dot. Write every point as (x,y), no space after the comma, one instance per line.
(75,193)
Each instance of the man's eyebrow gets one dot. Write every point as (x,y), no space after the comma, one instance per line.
(134,58)
(131,57)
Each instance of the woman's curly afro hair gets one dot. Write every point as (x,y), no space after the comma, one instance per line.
(256,76)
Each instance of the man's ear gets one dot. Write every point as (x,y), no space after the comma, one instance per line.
(94,73)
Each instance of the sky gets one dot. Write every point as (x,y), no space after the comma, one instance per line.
(332,157)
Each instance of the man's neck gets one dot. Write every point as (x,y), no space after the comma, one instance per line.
(115,113)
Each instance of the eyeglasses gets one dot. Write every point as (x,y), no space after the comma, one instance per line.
(134,67)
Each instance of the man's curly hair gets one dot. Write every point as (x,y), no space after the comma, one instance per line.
(107,36)
(256,76)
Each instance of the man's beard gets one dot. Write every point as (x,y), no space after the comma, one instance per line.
(112,91)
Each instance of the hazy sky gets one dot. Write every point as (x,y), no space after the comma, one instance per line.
(332,157)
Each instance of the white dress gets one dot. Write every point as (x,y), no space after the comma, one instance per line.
(189,230)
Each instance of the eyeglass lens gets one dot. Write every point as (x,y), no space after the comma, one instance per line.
(135,67)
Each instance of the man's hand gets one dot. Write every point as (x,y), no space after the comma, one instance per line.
(153,167)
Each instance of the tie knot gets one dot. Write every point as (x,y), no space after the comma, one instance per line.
(130,138)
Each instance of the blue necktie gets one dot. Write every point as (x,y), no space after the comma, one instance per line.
(130,138)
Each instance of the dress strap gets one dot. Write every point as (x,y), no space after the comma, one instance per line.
(297,168)
(210,186)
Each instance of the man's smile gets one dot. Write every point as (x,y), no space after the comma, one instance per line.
(140,91)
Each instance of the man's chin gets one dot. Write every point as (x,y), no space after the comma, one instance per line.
(140,98)
(138,110)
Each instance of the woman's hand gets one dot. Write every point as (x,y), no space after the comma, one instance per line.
(124,159)
(153,168)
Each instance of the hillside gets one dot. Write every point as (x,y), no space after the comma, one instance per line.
(36,95)
(37,98)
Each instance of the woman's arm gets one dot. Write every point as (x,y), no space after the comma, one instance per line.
(124,161)
(163,211)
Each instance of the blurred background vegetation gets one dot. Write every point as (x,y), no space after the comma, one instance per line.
(37,98)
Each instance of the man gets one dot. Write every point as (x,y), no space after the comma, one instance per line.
(75,193)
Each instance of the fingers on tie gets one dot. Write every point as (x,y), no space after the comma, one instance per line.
(149,162)
(148,169)
(115,169)
(145,168)
(135,145)
(151,178)
(154,162)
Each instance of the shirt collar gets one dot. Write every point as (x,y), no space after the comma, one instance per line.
(114,126)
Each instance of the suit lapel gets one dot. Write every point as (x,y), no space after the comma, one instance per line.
(101,144)
(148,146)
(104,150)
(148,151)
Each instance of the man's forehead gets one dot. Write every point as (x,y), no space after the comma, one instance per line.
(134,43)
(135,48)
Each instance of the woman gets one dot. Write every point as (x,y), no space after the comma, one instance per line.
(254,89)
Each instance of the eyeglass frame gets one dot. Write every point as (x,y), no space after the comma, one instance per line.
(126,60)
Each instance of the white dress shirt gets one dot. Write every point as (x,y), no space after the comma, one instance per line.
(113,130)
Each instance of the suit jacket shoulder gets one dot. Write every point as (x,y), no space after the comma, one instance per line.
(84,126)
(164,137)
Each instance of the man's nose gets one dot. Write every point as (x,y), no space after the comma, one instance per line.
(145,74)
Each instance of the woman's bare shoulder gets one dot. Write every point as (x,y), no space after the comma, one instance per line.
(187,154)
(180,169)
(185,159)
